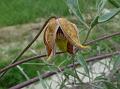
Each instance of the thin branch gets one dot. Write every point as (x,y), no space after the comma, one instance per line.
(40,56)
(23,61)
(99,39)
(102,38)
(49,74)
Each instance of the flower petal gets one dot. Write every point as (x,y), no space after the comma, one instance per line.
(70,31)
(50,36)
(70,48)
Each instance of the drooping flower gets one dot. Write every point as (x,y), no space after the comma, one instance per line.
(63,33)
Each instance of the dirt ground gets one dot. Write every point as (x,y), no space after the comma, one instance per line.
(10,33)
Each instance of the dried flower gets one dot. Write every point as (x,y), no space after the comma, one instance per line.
(62,33)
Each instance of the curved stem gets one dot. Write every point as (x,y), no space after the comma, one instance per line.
(28,46)
(87,35)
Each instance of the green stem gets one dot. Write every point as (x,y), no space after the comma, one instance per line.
(89,31)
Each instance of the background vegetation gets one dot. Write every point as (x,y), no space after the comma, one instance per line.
(23,11)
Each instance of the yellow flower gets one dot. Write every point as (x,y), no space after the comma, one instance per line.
(63,33)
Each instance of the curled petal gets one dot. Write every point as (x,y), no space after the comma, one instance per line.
(70,31)
(50,36)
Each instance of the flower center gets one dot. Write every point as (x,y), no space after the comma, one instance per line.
(60,35)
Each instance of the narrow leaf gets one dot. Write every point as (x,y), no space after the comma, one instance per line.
(73,5)
(63,84)
(42,81)
(100,5)
(109,85)
(100,78)
(83,63)
(69,72)
(108,15)
(94,22)
(115,3)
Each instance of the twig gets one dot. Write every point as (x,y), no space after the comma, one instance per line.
(20,62)
(40,56)
(48,74)
(102,38)
(23,61)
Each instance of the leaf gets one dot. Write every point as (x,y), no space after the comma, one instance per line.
(109,85)
(100,78)
(100,5)
(68,72)
(115,3)
(74,6)
(83,63)
(42,81)
(62,85)
(94,22)
(116,63)
(108,15)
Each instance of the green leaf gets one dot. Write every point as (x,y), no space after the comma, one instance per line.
(94,22)
(115,3)
(109,85)
(69,72)
(101,77)
(83,63)
(42,81)
(116,62)
(100,5)
(108,15)
(63,84)
(73,5)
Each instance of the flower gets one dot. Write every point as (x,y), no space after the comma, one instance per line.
(63,33)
